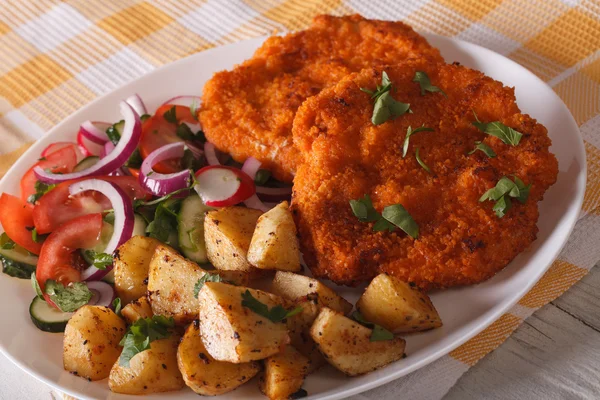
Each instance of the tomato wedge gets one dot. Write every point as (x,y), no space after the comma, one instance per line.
(15,217)
(58,259)
(57,207)
(54,147)
(60,161)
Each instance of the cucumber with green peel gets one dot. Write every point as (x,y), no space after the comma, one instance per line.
(48,318)
(16,261)
(86,163)
(191,228)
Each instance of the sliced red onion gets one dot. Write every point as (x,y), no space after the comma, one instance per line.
(183,101)
(137,104)
(95,131)
(162,184)
(271,191)
(211,154)
(113,161)
(196,151)
(251,167)
(124,218)
(103,294)
(254,202)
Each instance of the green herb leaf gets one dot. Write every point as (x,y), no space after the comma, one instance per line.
(383,225)
(42,159)
(41,189)
(185,132)
(386,106)
(34,235)
(189,161)
(409,133)
(262,177)
(109,218)
(207,277)
(425,84)
(171,115)
(397,215)
(378,332)
(6,242)
(164,221)
(503,191)
(68,298)
(141,333)
(117,306)
(36,286)
(100,260)
(421,163)
(484,148)
(363,209)
(507,134)
(275,314)
(135,160)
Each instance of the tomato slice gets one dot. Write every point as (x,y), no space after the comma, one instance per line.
(15,217)
(58,259)
(61,145)
(57,207)
(60,161)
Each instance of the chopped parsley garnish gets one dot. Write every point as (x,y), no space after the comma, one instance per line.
(185,133)
(425,84)
(68,298)
(6,243)
(135,160)
(386,106)
(378,333)
(505,133)
(41,189)
(99,260)
(275,314)
(502,193)
(207,277)
(143,332)
(36,286)
(164,223)
(421,163)
(262,176)
(392,216)
(171,115)
(484,148)
(409,133)
(34,234)
(117,306)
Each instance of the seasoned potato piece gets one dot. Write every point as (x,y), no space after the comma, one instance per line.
(171,283)
(137,309)
(205,375)
(346,344)
(234,333)
(284,374)
(274,242)
(228,232)
(91,342)
(150,371)
(293,286)
(132,260)
(299,330)
(397,306)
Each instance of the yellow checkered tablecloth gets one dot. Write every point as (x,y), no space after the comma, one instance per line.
(56,56)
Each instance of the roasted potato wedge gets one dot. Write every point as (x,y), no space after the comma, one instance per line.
(91,342)
(150,371)
(231,332)
(205,375)
(293,286)
(171,283)
(299,330)
(132,260)
(397,306)
(284,374)
(346,344)
(228,232)
(274,242)
(137,309)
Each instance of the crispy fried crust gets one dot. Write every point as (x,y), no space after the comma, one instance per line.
(461,240)
(249,111)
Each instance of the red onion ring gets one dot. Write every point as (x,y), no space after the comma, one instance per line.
(211,154)
(113,161)
(103,294)
(124,218)
(137,104)
(251,167)
(183,101)
(162,184)
(95,131)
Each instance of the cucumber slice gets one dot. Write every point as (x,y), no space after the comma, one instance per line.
(47,318)
(16,269)
(191,228)
(139,226)
(16,262)
(86,163)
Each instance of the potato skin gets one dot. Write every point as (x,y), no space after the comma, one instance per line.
(91,342)
(233,333)
(137,309)
(346,344)
(284,374)
(397,306)
(205,375)
(228,232)
(132,260)
(151,371)
(274,242)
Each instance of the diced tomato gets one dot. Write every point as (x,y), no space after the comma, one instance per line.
(134,172)
(60,161)
(59,259)
(16,217)
(57,207)
(61,145)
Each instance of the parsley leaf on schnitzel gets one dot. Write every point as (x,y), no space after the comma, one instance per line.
(505,133)
(421,162)
(386,106)
(503,191)
(425,84)
(409,133)
(392,216)
(484,148)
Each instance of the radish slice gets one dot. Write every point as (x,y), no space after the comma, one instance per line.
(103,294)
(251,167)
(95,131)
(87,147)
(124,218)
(113,161)
(211,154)
(137,104)
(107,149)
(183,101)
(162,184)
(221,186)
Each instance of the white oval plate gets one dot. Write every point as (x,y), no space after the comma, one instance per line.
(465,311)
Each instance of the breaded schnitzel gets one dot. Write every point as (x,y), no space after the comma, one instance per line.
(461,240)
(249,111)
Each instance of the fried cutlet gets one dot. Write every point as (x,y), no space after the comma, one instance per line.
(249,111)
(461,240)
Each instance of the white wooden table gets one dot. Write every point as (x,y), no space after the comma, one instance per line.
(555,354)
